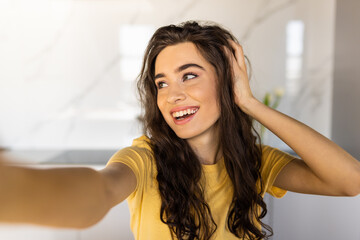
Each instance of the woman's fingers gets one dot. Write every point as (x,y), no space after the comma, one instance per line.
(238,62)
(234,63)
(239,55)
(241,82)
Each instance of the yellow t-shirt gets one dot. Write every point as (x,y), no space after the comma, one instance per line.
(145,201)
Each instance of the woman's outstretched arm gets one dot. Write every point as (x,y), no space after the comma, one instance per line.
(325,168)
(62,197)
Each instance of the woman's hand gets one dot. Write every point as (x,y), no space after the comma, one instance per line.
(243,94)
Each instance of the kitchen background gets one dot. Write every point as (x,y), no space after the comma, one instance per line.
(67,89)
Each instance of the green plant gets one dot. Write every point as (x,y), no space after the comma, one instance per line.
(269,101)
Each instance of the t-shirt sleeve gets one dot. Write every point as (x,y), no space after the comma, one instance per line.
(273,161)
(136,159)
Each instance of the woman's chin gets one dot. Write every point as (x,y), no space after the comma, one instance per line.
(184,136)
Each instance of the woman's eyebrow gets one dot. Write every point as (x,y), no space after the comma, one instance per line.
(181,68)
(185,66)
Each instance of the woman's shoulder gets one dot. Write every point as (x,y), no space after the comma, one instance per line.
(273,160)
(142,142)
(139,152)
(273,153)
(139,158)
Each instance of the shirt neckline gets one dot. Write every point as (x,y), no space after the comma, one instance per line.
(214,167)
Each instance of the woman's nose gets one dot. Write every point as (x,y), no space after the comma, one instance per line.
(175,94)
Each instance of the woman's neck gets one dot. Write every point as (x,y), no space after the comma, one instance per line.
(207,148)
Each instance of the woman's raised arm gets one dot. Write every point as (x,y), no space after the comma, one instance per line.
(76,197)
(325,168)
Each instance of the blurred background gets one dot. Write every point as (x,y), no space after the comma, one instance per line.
(67,89)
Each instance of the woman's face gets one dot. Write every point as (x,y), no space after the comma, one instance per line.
(187,96)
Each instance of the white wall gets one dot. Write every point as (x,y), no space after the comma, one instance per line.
(299,216)
(67,67)
(346,110)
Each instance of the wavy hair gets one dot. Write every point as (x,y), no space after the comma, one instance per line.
(183,207)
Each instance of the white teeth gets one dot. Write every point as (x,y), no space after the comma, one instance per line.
(184,112)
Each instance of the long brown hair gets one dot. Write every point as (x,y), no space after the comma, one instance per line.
(183,207)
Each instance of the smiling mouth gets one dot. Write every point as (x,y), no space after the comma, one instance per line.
(181,115)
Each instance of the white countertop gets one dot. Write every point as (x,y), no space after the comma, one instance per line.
(45,158)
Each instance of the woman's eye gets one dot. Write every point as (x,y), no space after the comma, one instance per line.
(161,85)
(189,76)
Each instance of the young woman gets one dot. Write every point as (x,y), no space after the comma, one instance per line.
(200,171)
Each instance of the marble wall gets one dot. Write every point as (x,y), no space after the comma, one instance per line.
(68,68)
